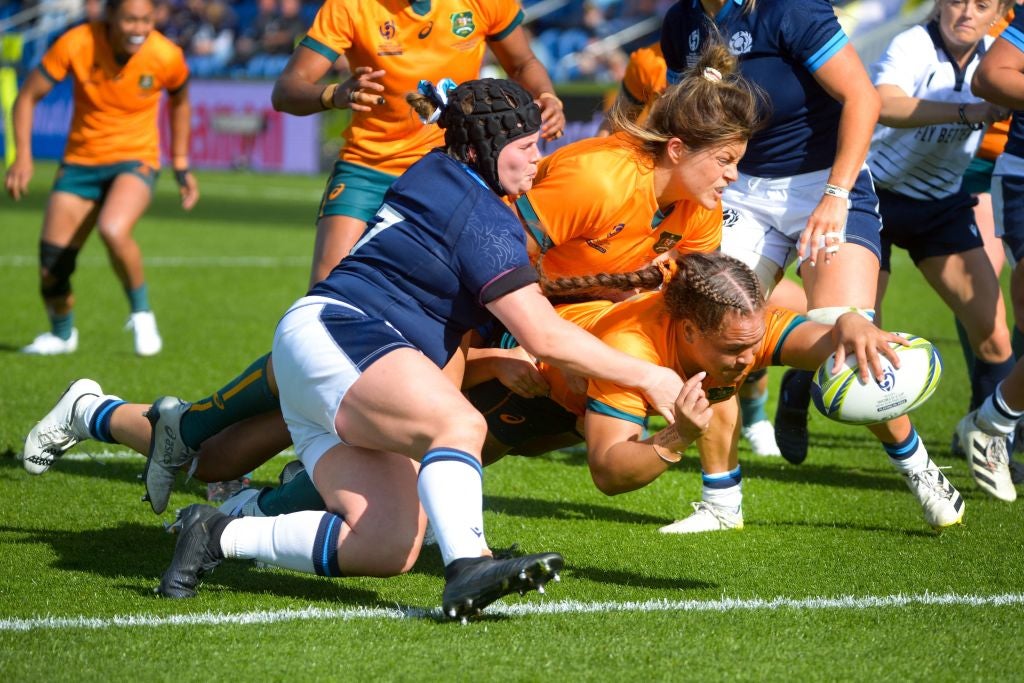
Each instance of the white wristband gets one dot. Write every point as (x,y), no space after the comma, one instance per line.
(836,191)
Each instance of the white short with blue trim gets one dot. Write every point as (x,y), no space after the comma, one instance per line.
(764,217)
(313,375)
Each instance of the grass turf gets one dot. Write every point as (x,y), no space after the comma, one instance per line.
(77,544)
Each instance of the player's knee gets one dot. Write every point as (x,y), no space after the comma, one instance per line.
(465,430)
(395,557)
(56,264)
(114,236)
(995,345)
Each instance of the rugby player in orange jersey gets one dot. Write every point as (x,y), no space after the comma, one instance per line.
(390,47)
(120,66)
(708,322)
(643,83)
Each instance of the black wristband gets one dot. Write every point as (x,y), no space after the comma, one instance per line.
(179,177)
(962,113)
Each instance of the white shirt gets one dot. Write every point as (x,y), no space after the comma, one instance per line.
(926,162)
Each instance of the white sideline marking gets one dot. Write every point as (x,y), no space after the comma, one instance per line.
(522,609)
(176,261)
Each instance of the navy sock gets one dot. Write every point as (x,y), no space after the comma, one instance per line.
(986,377)
(965,346)
(99,426)
(1017,342)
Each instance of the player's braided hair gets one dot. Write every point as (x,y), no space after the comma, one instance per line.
(708,286)
(479,118)
(699,287)
(713,105)
(588,287)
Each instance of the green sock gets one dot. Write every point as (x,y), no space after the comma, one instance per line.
(61,325)
(138,298)
(247,395)
(297,495)
(752,409)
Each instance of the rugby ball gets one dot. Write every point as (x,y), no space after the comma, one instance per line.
(845,398)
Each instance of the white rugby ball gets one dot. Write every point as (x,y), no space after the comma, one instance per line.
(844,397)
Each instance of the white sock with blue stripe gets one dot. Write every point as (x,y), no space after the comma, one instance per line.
(723,489)
(909,455)
(995,417)
(95,417)
(303,541)
(451,492)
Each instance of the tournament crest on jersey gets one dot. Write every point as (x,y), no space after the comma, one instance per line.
(665,242)
(694,40)
(741,42)
(146,82)
(462,24)
(387,30)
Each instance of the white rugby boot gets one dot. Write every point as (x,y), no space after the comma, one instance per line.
(706,517)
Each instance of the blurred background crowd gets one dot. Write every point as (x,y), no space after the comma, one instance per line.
(578,40)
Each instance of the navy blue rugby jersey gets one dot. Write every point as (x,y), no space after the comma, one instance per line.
(779,45)
(441,246)
(1015,34)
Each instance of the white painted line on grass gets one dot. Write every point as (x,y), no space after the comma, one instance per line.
(176,261)
(848,602)
(302,195)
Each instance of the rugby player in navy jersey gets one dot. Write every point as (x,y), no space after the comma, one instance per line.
(358,366)
(804,191)
(931,128)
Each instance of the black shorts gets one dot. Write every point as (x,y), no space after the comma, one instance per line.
(927,227)
(515,421)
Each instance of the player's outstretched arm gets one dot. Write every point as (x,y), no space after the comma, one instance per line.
(35,88)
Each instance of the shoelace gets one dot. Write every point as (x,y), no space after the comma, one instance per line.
(933,482)
(713,510)
(997,452)
(55,435)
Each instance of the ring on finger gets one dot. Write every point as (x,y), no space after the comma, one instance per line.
(352,96)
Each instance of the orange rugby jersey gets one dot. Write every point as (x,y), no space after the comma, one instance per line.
(994,142)
(645,77)
(640,327)
(423,39)
(592,209)
(115,105)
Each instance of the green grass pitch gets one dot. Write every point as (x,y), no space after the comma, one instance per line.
(835,577)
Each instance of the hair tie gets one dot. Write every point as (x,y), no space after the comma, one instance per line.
(437,94)
(712,74)
(669,268)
